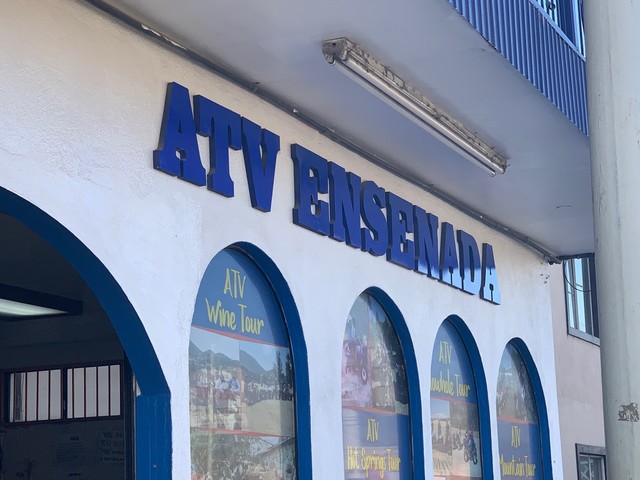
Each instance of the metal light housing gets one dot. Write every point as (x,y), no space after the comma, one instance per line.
(393,90)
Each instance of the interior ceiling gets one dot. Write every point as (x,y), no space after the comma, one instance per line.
(545,193)
(27,261)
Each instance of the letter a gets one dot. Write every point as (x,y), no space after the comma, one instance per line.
(177,152)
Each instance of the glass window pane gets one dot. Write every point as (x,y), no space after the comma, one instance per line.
(240,376)
(55,395)
(597,467)
(43,395)
(11,397)
(103,391)
(585,467)
(32,396)
(114,391)
(78,393)
(91,395)
(19,403)
(375,399)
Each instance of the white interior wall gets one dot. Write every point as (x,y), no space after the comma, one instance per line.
(82,103)
(80,450)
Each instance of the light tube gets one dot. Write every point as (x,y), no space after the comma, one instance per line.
(387,86)
(19,303)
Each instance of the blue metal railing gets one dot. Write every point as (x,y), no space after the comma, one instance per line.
(544,40)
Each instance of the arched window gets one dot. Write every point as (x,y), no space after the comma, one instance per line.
(375,396)
(519,432)
(455,421)
(240,376)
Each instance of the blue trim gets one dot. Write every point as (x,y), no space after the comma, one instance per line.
(413,380)
(153,415)
(480,379)
(541,405)
(298,351)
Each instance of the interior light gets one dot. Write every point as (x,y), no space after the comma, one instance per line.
(22,304)
(393,90)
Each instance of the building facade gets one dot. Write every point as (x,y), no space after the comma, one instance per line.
(243,291)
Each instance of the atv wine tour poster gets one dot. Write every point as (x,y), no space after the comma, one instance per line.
(240,376)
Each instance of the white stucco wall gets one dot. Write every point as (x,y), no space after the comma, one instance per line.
(82,101)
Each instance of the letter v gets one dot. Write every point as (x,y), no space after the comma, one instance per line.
(260,148)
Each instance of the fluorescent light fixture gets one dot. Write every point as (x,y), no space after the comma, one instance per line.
(393,90)
(22,304)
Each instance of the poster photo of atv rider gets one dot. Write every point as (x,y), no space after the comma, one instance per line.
(455,440)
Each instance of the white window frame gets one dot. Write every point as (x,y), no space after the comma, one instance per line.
(581,302)
(65,402)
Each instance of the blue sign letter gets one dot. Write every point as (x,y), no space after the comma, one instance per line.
(260,168)
(469,263)
(449,271)
(222,126)
(178,138)
(400,222)
(489,290)
(426,240)
(310,179)
(344,203)
(375,238)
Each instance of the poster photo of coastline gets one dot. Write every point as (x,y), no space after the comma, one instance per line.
(215,393)
(267,402)
(455,439)
(515,398)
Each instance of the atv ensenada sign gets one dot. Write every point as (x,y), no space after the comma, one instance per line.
(357,212)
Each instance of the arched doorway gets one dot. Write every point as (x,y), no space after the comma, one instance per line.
(69,403)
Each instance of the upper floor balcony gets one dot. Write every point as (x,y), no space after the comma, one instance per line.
(544,40)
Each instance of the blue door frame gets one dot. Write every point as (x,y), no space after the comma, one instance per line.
(153,414)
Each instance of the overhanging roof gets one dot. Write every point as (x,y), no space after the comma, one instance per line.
(545,195)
